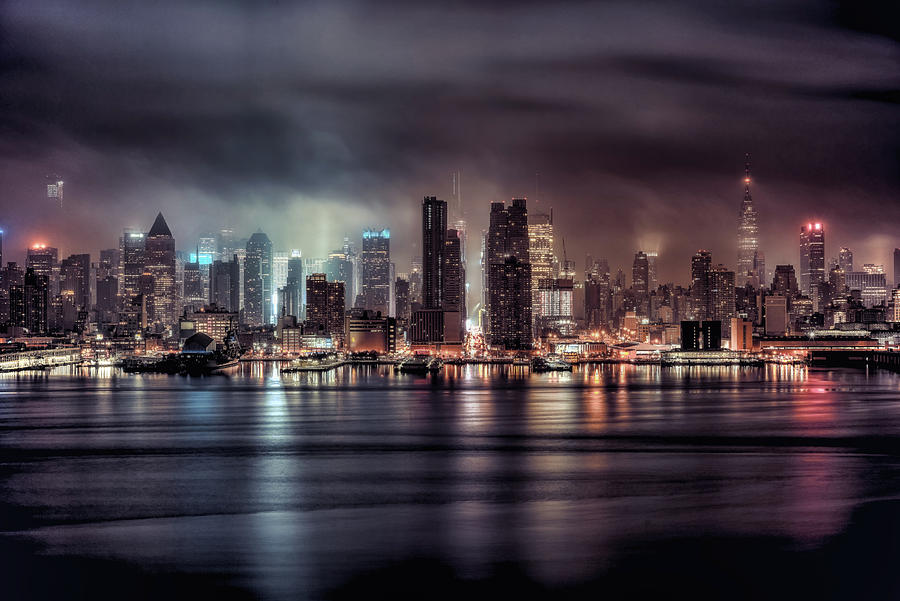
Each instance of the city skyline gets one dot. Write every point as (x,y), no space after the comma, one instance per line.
(637,139)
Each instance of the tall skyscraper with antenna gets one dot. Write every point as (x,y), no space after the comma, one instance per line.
(748,234)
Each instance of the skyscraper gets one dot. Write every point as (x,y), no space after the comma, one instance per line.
(36,301)
(224,284)
(292,293)
(44,260)
(701,263)
(721,297)
(375,260)
(454,280)
(159,260)
(434,236)
(640,274)
(131,251)
(75,277)
(748,235)
(540,255)
(785,281)
(812,257)
(325,307)
(258,280)
(845,259)
(509,277)
(896,267)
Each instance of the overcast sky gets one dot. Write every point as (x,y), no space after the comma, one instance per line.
(317,119)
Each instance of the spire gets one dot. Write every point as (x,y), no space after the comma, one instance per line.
(160,228)
(747,176)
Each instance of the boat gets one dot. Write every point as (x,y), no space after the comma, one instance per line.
(541,364)
(420,364)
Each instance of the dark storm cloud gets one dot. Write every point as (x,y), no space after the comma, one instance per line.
(636,115)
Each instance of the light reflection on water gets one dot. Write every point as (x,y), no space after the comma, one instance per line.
(294,482)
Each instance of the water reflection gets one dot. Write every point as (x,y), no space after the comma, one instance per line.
(292,483)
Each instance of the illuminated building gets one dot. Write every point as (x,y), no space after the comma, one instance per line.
(509,277)
(434,236)
(741,334)
(748,236)
(895,295)
(258,280)
(55,187)
(785,281)
(375,263)
(193,286)
(215,322)
(224,285)
(44,260)
(325,307)
(159,262)
(812,256)
(776,315)
(700,266)
(540,255)
(721,297)
(36,301)
(339,268)
(131,251)
(370,331)
(74,276)
(640,274)
(872,286)
(652,274)
(556,306)
(845,259)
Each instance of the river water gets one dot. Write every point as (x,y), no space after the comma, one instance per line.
(610,481)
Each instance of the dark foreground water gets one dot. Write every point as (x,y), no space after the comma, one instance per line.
(610,482)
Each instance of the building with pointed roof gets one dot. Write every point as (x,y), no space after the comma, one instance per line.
(748,236)
(159,257)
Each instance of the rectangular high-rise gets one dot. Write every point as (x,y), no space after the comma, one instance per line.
(325,307)
(224,284)
(434,236)
(509,277)
(258,280)
(812,256)
(375,260)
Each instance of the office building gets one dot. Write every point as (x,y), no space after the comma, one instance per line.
(701,263)
(131,251)
(542,259)
(224,285)
(370,331)
(720,296)
(434,236)
(75,278)
(509,277)
(748,237)
(325,308)
(812,256)
(258,281)
(845,259)
(375,265)
(776,315)
(159,263)
(741,334)
(872,286)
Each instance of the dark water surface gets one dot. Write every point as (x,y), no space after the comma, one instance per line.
(611,481)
